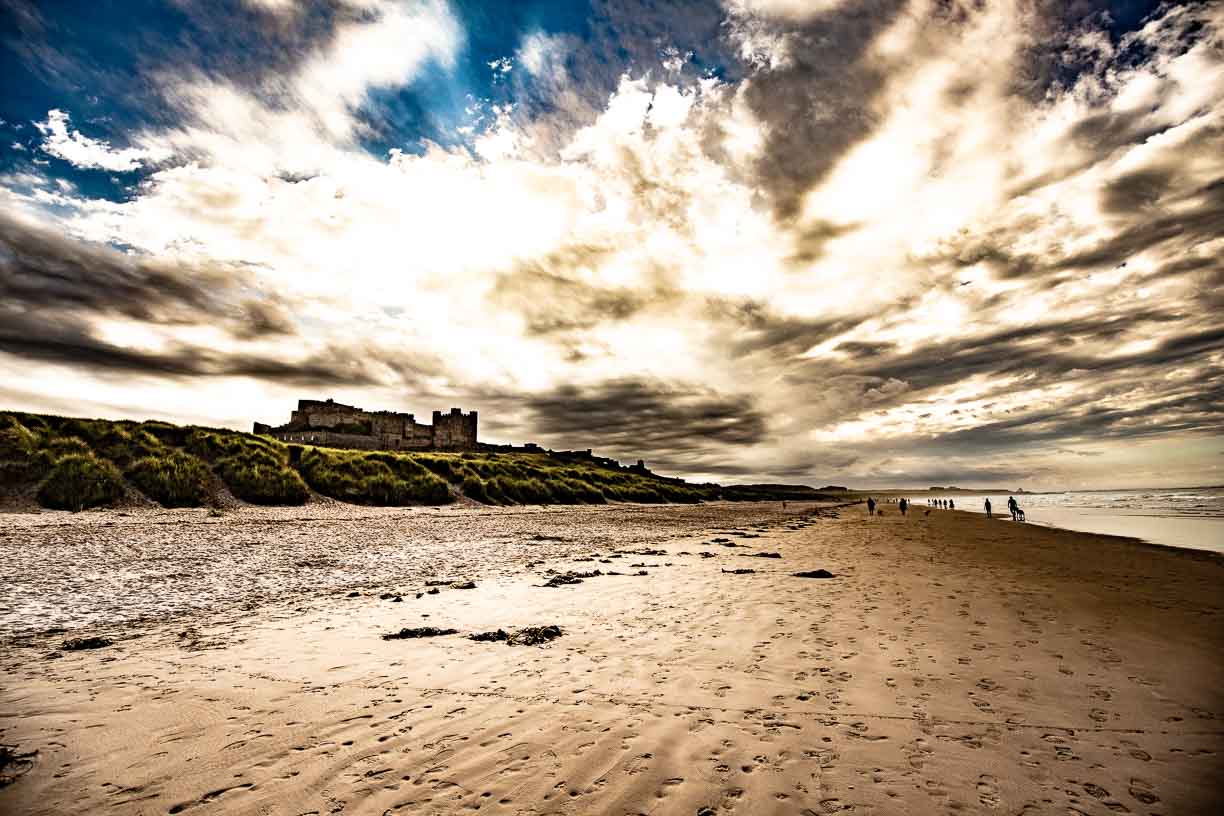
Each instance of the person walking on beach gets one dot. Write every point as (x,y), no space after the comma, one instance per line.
(870,506)
(988,508)
(903,505)
(1012,506)
(951,504)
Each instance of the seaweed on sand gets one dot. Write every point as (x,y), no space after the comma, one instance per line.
(534,635)
(76,644)
(419,632)
(527,636)
(14,764)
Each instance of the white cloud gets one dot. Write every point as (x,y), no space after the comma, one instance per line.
(81,151)
(543,54)
(274,6)
(386,53)
(789,10)
(313,112)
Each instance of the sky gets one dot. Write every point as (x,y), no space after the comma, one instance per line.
(862,242)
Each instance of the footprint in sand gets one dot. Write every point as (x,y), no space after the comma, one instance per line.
(1142,791)
(988,790)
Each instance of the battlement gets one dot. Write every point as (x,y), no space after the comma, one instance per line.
(331,423)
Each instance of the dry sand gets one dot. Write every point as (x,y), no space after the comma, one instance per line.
(953,664)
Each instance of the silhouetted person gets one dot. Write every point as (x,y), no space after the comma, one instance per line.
(951,504)
(903,505)
(1013,506)
(870,506)
(988,508)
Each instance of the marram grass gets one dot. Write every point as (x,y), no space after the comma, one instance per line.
(72,463)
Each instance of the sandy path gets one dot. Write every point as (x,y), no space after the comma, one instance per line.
(954,664)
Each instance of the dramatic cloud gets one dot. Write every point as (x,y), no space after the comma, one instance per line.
(868,241)
(81,151)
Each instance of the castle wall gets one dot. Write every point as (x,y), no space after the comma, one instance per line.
(454,431)
(327,416)
(313,421)
(418,436)
(328,439)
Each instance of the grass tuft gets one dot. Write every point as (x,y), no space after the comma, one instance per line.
(172,478)
(261,477)
(361,477)
(80,481)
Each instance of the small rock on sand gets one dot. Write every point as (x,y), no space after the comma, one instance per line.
(766,555)
(820,573)
(463,585)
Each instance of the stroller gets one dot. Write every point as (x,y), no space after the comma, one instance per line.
(1019,514)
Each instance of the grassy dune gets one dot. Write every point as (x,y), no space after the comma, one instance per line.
(75,464)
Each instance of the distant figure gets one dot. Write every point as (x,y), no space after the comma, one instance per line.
(783,505)
(904,505)
(1013,506)
(951,504)
(870,506)
(988,508)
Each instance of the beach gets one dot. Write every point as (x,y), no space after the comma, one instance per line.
(949,663)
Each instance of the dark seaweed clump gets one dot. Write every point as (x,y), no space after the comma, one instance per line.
(534,635)
(76,644)
(419,632)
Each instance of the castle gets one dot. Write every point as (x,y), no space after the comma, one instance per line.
(336,425)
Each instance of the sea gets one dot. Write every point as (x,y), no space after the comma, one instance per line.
(1190,517)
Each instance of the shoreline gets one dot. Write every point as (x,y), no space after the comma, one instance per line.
(949,664)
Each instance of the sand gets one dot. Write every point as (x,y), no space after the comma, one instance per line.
(951,664)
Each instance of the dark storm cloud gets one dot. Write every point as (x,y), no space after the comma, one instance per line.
(1149,215)
(864,350)
(1196,408)
(810,240)
(1198,220)
(818,105)
(1138,190)
(51,286)
(630,415)
(61,339)
(43,270)
(552,300)
(1047,350)
(754,327)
